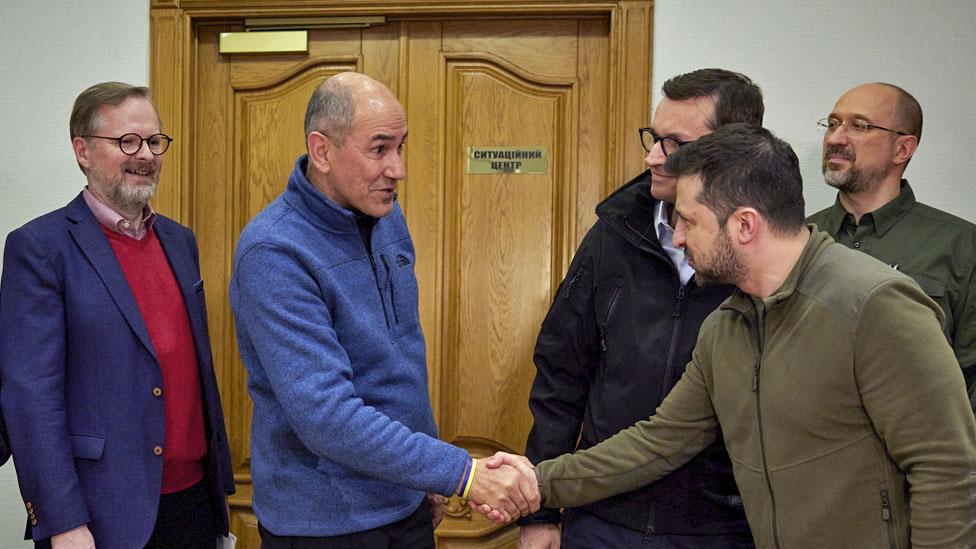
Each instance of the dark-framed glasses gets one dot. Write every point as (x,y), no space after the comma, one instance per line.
(856,125)
(668,144)
(130,143)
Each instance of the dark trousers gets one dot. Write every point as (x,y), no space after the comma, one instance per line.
(185,520)
(582,530)
(413,532)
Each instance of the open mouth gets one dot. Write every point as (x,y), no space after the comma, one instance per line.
(145,172)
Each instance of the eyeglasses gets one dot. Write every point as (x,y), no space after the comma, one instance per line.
(131,143)
(668,144)
(830,124)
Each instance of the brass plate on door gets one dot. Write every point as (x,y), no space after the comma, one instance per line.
(294,41)
(508,160)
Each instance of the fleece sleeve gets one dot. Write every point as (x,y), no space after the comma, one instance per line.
(288,324)
(682,427)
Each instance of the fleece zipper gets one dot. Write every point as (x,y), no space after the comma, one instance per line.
(759,332)
(606,319)
(389,282)
(677,320)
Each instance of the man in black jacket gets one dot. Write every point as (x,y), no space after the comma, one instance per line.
(619,334)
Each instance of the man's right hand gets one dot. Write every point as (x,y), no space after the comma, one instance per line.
(540,536)
(509,491)
(76,538)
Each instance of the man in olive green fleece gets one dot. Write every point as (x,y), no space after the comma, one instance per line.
(869,137)
(841,404)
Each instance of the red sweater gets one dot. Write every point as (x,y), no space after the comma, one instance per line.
(163,311)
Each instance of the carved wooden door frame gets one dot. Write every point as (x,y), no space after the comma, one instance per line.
(172,39)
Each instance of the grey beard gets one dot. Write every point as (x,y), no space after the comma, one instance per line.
(853,181)
(848,182)
(132,198)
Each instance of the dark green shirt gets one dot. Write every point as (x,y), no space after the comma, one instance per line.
(935,248)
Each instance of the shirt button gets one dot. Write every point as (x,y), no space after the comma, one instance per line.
(158,450)
(857,244)
(157,391)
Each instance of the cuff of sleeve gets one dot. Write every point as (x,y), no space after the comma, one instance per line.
(542,516)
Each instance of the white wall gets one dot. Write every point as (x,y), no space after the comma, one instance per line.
(52,50)
(804,55)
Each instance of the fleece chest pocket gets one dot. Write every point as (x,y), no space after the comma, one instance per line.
(400,292)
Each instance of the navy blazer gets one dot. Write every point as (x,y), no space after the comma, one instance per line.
(78,372)
(4,445)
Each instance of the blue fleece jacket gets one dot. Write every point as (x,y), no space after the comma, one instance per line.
(343,437)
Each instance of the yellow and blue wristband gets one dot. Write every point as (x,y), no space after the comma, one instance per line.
(469,479)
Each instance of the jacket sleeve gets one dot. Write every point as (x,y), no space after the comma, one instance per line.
(682,426)
(964,337)
(4,445)
(914,393)
(291,328)
(32,366)
(566,354)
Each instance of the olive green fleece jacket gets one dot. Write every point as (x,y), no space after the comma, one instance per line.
(841,404)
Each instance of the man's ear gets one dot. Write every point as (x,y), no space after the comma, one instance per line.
(82,152)
(905,147)
(319,149)
(744,225)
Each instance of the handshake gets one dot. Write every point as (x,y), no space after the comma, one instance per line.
(504,487)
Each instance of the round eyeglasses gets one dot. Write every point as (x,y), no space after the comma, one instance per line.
(668,144)
(131,143)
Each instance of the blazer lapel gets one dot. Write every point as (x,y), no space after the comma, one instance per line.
(89,237)
(182,264)
(187,276)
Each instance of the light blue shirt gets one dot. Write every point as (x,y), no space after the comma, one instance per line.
(665,235)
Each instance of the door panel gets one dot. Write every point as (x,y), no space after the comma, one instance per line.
(491,248)
(505,235)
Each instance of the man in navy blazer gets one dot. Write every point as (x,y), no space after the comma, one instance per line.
(4,445)
(109,393)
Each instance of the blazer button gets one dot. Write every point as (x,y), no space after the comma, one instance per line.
(28,505)
(33,522)
(157,391)
(158,450)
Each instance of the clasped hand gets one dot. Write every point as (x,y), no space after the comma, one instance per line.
(504,488)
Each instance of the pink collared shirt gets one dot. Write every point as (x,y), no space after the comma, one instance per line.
(114,221)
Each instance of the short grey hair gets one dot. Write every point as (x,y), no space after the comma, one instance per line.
(331,110)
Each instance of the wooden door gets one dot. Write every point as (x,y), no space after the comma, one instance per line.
(491,248)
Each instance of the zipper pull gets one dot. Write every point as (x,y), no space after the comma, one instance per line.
(572,283)
(679,304)
(885,505)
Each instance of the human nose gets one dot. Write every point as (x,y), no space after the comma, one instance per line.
(678,239)
(837,135)
(394,168)
(143,151)
(655,156)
